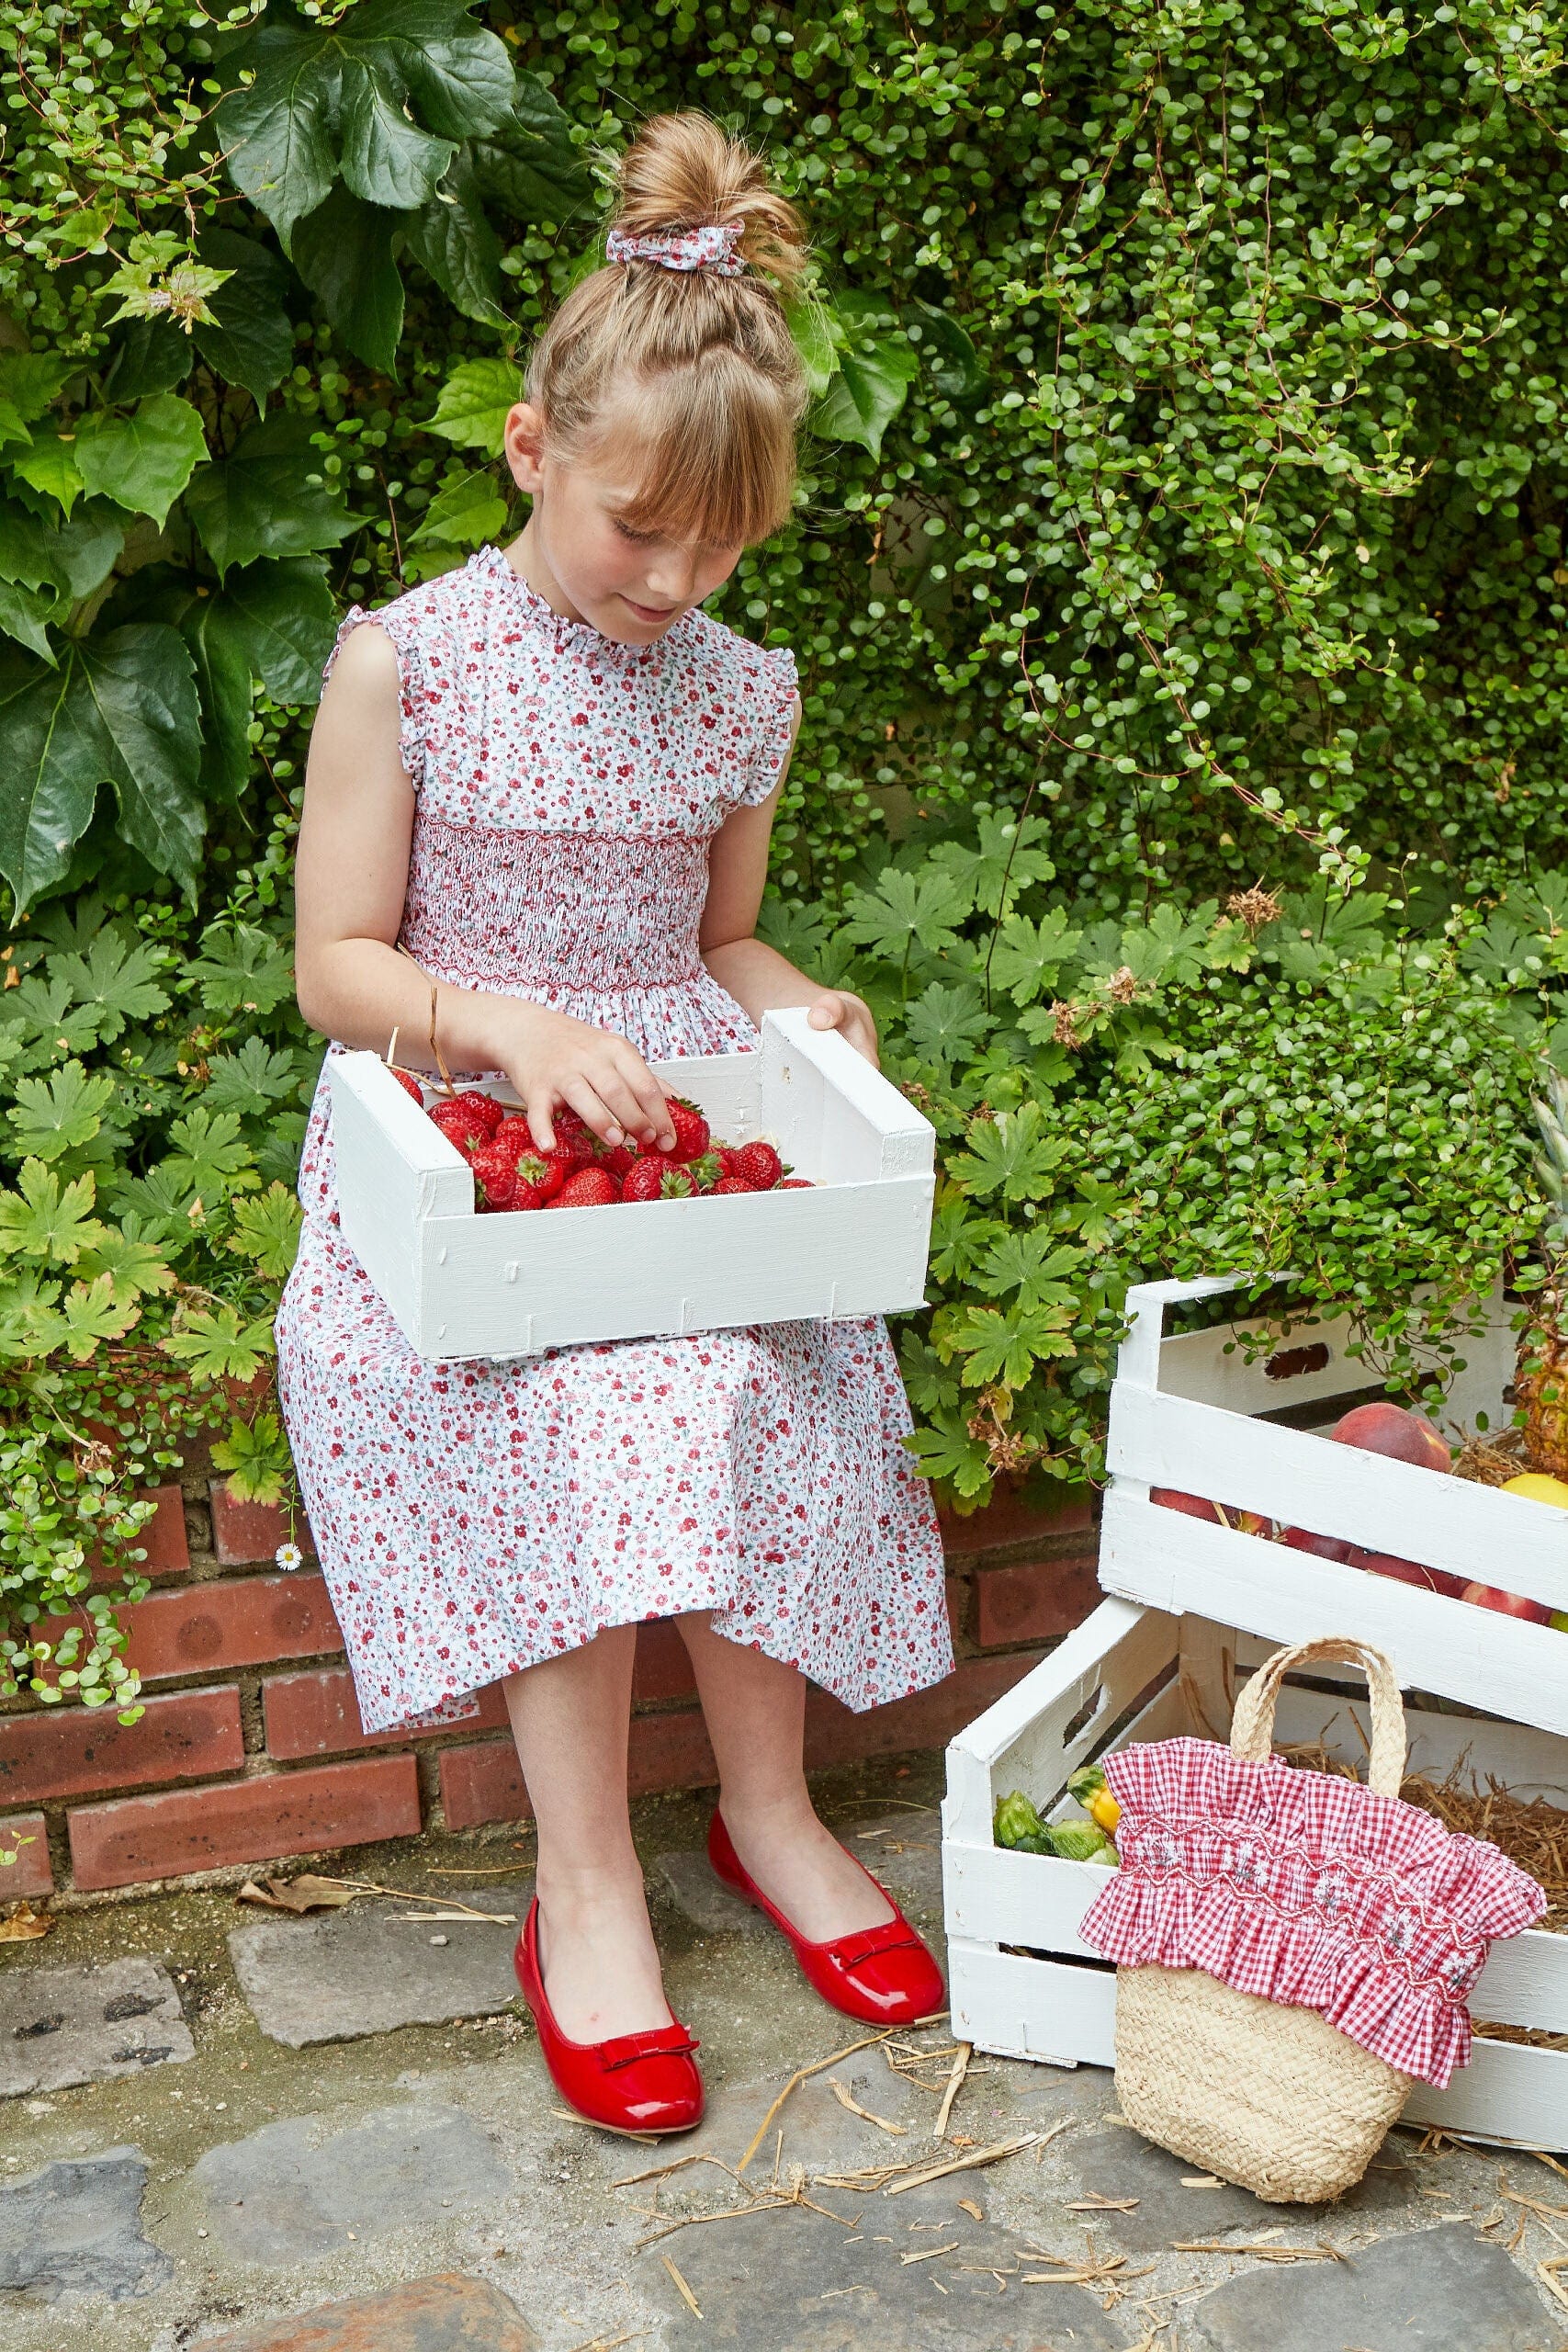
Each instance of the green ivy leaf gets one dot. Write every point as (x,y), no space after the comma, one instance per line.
(288,617)
(249,337)
(120,709)
(451,239)
(344,253)
(24,616)
(260,501)
(465,513)
(876,370)
(143,461)
(30,381)
(528,167)
(44,1219)
(51,467)
(150,356)
(948,358)
(474,403)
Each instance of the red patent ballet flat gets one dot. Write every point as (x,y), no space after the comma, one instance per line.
(884,1975)
(637,2082)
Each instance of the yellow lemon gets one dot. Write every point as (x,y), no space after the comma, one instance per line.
(1537,1487)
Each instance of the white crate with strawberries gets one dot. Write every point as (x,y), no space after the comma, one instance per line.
(1022,1983)
(800,1186)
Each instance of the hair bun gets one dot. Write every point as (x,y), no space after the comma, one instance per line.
(683,171)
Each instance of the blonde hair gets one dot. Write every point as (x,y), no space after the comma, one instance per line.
(688,381)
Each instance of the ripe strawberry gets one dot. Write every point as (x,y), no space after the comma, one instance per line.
(692,1133)
(461,1123)
(541,1177)
(410,1084)
(797,1184)
(705,1170)
(657,1177)
(757,1166)
(495,1179)
(574,1136)
(514,1134)
(731,1184)
(485,1107)
(587,1187)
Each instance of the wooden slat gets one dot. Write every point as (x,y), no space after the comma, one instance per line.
(1304,1481)
(1058,2011)
(1182,1565)
(1508,2094)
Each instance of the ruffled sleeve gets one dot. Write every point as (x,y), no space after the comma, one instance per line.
(404,642)
(1309,1889)
(777,687)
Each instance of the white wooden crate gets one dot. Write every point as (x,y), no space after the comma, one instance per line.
(509,1285)
(1023,1984)
(1184,1414)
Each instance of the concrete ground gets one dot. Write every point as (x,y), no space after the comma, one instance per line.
(215,2182)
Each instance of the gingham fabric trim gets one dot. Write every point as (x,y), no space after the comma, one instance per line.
(713,246)
(1307,1889)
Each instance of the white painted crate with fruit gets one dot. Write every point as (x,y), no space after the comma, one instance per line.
(850,1239)
(1200,1601)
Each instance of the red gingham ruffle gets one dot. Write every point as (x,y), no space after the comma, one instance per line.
(1308,1889)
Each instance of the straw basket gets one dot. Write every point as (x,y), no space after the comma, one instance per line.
(1269,2095)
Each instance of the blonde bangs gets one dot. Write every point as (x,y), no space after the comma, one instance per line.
(706,451)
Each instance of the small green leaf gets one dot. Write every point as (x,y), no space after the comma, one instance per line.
(924,907)
(249,339)
(344,253)
(114,981)
(90,1315)
(256,1456)
(60,1113)
(212,1156)
(466,513)
(214,1344)
(528,167)
(266,1230)
(948,1024)
(1009,1154)
(51,467)
(451,238)
(132,1267)
(474,403)
(252,1080)
(24,616)
(143,461)
(241,970)
(1028,958)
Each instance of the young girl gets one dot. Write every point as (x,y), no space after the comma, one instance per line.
(544,784)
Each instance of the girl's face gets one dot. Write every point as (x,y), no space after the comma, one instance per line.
(580,555)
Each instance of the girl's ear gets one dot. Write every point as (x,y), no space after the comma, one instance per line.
(524,446)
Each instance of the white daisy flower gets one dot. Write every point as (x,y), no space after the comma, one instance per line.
(288,1556)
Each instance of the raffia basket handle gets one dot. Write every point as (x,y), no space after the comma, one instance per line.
(1252,1728)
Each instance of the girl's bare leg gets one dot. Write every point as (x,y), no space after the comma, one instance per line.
(756,1719)
(570,1718)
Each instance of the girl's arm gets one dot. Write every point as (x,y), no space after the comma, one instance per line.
(756,976)
(351,879)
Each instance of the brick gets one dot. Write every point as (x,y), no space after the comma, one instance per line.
(663,1667)
(485,1782)
(163,1539)
(446,2313)
(238,1621)
(318,1715)
(243,1533)
(1021,1519)
(958,1606)
(25,1835)
(66,1752)
(257,1820)
(930,1719)
(1035,1600)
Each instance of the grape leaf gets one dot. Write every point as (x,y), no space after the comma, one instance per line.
(527,165)
(344,253)
(474,403)
(263,501)
(144,460)
(466,511)
(451,239)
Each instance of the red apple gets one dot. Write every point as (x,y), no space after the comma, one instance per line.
(1246,1523)
(1383,1564)
(1390,1430)
(1325,1547)
(1508,1604)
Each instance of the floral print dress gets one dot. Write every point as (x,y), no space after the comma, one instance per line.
(472,1519)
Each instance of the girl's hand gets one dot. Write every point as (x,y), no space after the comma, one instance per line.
(551,1060)
(850,1016)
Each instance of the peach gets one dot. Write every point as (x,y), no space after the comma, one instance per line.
(1508,1604)
(1389,1429)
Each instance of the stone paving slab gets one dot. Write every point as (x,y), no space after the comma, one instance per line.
(76,2227)
(288,2194)
(61,2026)
(687,1876)
(340,1974)
(902,1851)
(1121,2164)
(446,2313)
(1433,2291)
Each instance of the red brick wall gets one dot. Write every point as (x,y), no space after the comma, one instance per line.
(249,1747)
